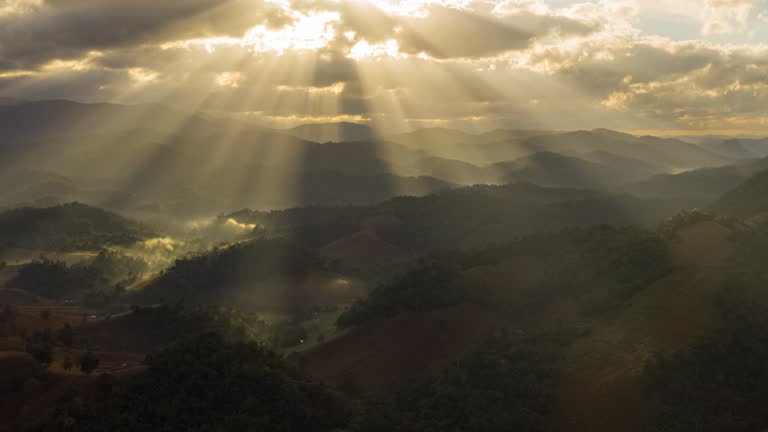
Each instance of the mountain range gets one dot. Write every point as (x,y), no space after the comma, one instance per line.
(152,158)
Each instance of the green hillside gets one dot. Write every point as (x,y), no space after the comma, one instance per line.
(68,227)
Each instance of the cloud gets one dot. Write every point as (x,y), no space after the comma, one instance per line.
(446,31)
(481,35)
(33,32)
(511,63)
(18,7)
(37,32)
(727,16)
(696,84)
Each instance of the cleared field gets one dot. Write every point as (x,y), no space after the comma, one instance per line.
(292,294)
(109,362)
(53,316)
(10,296)
(394,351)
(363,250)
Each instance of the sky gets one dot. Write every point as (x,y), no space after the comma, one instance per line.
(648,66)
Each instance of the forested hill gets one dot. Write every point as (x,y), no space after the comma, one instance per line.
(750,199)
(465,217)
(67,227)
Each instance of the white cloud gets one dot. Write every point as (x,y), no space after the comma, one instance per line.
(16,7)
(229,79)
(727,16)
(422,60)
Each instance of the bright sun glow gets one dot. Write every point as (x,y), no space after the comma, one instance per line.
(142,76)
(229,79)
(316,30)
(407,7)
(326,58)
(363,50)
(335,89)
(308,32)
(11,7)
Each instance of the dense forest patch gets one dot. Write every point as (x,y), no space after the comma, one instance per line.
(430,285)
(210,384)
(99,281)
(212,276)
(68,227)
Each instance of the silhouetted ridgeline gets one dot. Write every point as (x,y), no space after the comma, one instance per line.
(138,160)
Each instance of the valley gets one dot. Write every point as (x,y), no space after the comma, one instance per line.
(390,268)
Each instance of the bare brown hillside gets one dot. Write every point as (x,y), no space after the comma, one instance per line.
(391,352)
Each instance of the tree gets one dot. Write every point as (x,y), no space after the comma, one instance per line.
(97,282)
(430,285)
(506,384)
(66,336)
(231,385)
(40,347)
(8,315)
(88,362)
(67,364)
(207,277)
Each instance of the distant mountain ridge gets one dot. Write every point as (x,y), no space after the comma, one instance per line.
(465,217)
(333,132)
(747,200)
(68,227)
(706,183)
(154,158)
(556,170)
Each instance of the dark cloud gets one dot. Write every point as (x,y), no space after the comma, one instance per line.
(448,32)
(64,29)
(549,68)
(686,82)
